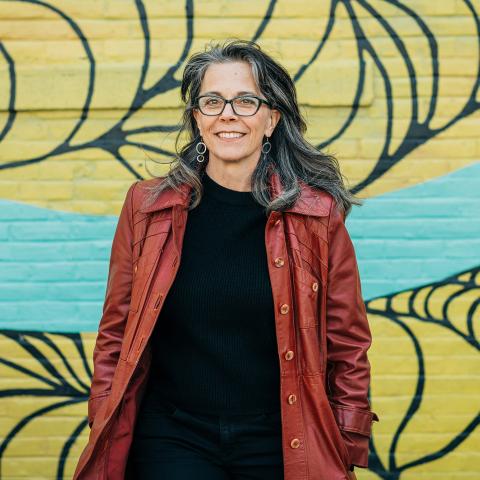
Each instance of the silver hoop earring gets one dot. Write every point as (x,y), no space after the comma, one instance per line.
(266,147)
(198,146)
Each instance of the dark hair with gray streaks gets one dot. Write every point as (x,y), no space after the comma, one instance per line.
(292,157)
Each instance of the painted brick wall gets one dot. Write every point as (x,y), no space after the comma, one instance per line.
(89,99)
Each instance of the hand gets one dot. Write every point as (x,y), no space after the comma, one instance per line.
(352,476)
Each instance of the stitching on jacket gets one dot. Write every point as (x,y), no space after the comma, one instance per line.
(307,247)
(104,393)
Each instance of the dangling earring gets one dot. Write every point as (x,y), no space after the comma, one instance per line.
(266,147)
(200,146)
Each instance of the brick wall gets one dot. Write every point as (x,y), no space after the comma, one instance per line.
(390,88)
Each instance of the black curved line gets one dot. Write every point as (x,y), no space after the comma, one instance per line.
(476,18)
(471,332)
(443,322)
(433,46)
(41,392)
(123,161)
(158,128)
(451,297)
(65,361)
(417,396)
(12,113)
(429,318)
(91,59)
(416,135)
(328,30)
(265,21)
(77,341)
(151,148)
(67,446)
(415,292)
(112,140)
(26,420)
(360,83)
(375,463)
(419,133)
(139,99)
(64,146)
(28,372)
(35,353)
(385,162)
(399,44)
(455,442)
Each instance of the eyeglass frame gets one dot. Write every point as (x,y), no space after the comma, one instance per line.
(262,100)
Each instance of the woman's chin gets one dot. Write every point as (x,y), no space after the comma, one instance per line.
(229,156)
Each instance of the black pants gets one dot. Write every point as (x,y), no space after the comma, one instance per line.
(172,443)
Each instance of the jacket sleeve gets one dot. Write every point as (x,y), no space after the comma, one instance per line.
(348,339)
(115,308)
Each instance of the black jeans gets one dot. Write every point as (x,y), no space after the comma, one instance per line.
(172,443)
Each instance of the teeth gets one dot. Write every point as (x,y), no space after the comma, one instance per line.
(230,135)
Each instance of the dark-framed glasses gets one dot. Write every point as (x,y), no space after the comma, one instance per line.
(243,105)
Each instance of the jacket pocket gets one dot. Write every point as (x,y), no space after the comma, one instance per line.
(142,269)
(94,404)
(307,290)
(338,440)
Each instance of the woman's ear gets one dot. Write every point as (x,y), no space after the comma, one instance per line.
(195,116)
(274,119)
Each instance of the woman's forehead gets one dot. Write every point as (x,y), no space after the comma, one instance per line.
(229,78)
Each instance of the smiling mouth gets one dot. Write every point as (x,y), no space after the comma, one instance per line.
(230,138)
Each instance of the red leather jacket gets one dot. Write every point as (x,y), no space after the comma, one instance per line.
(320,319)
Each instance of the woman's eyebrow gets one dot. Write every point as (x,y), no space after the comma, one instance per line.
(238,93)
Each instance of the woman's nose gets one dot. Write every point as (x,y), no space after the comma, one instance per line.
(228,111)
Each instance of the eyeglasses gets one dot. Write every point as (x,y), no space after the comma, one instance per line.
(243,105)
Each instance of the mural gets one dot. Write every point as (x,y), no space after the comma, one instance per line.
(89,93)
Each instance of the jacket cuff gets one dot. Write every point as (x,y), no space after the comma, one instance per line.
(357,447)
(356,428)
(354,419)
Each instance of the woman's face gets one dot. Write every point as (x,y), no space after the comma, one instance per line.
(229,80)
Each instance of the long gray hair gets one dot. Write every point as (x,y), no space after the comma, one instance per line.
(291,156)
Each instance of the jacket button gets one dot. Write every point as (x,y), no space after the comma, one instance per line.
(314,286)
(284,309)
(279,262)
(289,355)
(292,399)
(295,443)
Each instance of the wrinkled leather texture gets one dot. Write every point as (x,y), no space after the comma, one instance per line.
(320,320)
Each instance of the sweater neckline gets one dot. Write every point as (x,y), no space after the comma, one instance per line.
(224,194)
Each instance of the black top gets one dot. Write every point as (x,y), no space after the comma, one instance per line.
(214,347)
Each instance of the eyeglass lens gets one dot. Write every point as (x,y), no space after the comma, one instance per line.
(241,105)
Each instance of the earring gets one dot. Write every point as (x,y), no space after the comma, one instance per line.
(266,147)
(203,147)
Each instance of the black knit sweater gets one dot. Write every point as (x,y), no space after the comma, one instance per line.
(214,346)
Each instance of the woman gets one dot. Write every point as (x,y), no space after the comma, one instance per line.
(255,363)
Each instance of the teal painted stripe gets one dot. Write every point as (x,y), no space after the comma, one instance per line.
(418,235)
(54,265)
(53,268)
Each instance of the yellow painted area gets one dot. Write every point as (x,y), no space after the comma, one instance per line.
(425,381)
(424,360)
(52,82)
